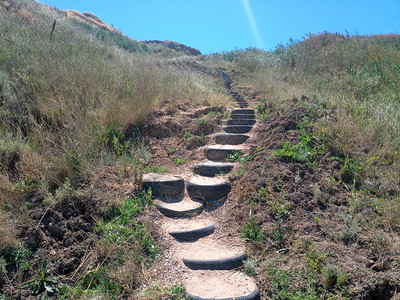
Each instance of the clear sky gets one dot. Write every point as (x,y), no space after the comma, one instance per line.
(224,25)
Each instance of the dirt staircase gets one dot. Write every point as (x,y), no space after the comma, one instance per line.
(212,263)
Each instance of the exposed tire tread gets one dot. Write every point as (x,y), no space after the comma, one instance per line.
(169,188)
(195,234)
(228,263)
(177,213)
(208,192)
(255,295)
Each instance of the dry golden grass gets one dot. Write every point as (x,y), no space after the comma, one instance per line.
(357,77)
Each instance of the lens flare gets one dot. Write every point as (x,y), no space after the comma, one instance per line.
(253,24)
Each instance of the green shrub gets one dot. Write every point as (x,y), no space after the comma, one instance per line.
(252,231)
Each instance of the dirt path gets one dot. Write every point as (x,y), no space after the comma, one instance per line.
(201,251)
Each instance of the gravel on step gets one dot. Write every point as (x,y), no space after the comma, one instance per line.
(222,285)
(185,208)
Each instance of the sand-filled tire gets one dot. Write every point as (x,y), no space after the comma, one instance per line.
(173,209)
(255,295)
(208,191)
(195,234)
(163,185)
(228,263)
(240,122)
(212,169)
(242,117)
(238,111)
(237,128)
(230,138)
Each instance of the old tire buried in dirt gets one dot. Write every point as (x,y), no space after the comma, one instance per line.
(195,234)
(238,111)
(237,128)
(207,169)
(240,122)
(163,185)
(179,209)
(228,263)
(255,295)
(207,189)
(230,138)
(242,117)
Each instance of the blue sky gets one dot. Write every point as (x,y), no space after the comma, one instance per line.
(224,25)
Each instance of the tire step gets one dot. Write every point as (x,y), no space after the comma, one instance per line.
(225,263)
(242,117)
(240,122)
(238,111)
(220,152)
(163,185)
(237,128)
(207,189)
(185,208)
(222,285)
(212,168)
(190,231)
(230,138)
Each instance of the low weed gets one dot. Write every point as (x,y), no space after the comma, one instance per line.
(252,231)
(312,146)
(239,173)
(41,282)
(172,151)
(202,139)
(157,292)
(201,121)
(262,111)
(187,135)
(250,266)
(237,156)
(284,284)
(179,161)
(156,169)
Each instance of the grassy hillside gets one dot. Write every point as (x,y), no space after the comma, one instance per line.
(85,111)
(324,198)
(356,76)
(71,103)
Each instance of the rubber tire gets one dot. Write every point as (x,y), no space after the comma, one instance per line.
(217,264)
(218,154)
(180,214)
(241,122)
(191,235)
(238,129)
(242,117)
(230,138)
(208,192)
(238,111)
(211,170)
(168,188)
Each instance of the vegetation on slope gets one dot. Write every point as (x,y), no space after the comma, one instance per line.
(71,104)
(325,174)
(357,76)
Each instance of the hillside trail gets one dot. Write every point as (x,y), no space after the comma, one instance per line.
(202,252)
